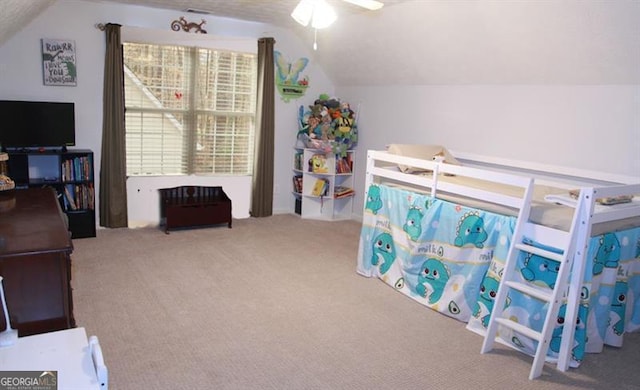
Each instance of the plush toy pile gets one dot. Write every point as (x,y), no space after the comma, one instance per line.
(328,125)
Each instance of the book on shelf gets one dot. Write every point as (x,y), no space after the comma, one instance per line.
(70,200)
(320,187)
(297,161)
(297,184)
(76,169)
(92,197)
(342,192)
(343,165)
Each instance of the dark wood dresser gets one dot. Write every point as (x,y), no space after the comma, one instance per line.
(35,261)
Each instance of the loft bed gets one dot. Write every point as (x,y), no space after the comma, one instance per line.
(440,231)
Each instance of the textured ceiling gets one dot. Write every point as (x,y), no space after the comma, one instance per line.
(413,42)
(275,12)
(14,14)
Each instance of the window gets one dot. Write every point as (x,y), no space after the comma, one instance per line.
(188,110)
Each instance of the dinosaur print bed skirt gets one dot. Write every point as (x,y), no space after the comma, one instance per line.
(449,258)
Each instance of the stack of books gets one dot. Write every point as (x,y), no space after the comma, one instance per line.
(342,192)
(343,165)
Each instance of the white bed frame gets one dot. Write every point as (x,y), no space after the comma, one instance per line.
(377,169)
(478,167)
(382,167)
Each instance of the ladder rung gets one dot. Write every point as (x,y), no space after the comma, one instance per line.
(543,295)
(518,327)
(540,252)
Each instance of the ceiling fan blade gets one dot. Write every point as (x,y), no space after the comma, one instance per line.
(368,4)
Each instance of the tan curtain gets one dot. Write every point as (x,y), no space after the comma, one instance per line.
(113,181)
(262,181)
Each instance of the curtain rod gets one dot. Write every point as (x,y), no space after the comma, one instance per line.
(103,26)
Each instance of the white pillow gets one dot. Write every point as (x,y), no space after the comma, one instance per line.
(423,152)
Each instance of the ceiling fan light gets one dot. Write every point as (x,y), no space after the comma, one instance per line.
(323,15)
(303,12)
(368,4)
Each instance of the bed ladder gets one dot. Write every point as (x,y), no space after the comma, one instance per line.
(567,248)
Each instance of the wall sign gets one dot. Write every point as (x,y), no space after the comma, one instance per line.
(59,62)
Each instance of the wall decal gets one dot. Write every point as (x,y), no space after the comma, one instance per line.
(182,24)
(287,82)
(59,62)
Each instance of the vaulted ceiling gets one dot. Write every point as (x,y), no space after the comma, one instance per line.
(15,14)
(414,42)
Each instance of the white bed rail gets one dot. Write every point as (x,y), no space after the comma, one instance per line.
(546,174)
(381,164)
(619,211)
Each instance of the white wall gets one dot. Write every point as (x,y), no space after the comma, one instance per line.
(590,127)
(471,42)
(585,126)
(21,78)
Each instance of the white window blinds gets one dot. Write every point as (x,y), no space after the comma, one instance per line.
(189,110)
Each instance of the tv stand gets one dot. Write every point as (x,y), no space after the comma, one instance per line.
(36,149)
(17,150)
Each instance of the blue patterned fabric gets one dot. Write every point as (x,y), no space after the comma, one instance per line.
(433,251)
(449,258)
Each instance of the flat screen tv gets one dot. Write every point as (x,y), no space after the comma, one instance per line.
(29,124)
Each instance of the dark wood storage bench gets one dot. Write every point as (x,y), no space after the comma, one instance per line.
(189,206)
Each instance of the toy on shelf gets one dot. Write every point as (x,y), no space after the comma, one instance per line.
(318,164)
(328,125)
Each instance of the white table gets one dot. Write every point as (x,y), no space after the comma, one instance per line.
(66,351)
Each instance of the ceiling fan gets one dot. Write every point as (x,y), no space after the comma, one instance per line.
(368,4)
(321,14)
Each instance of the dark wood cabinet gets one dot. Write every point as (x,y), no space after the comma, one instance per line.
(70,173)
(35,261)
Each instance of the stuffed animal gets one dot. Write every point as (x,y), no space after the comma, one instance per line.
(314,130)
(344,125)
(318,164)
(316,110)
(328,124)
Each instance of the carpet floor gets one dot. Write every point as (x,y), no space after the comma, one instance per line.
(275,303)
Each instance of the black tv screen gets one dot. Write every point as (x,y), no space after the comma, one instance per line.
(25,124)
